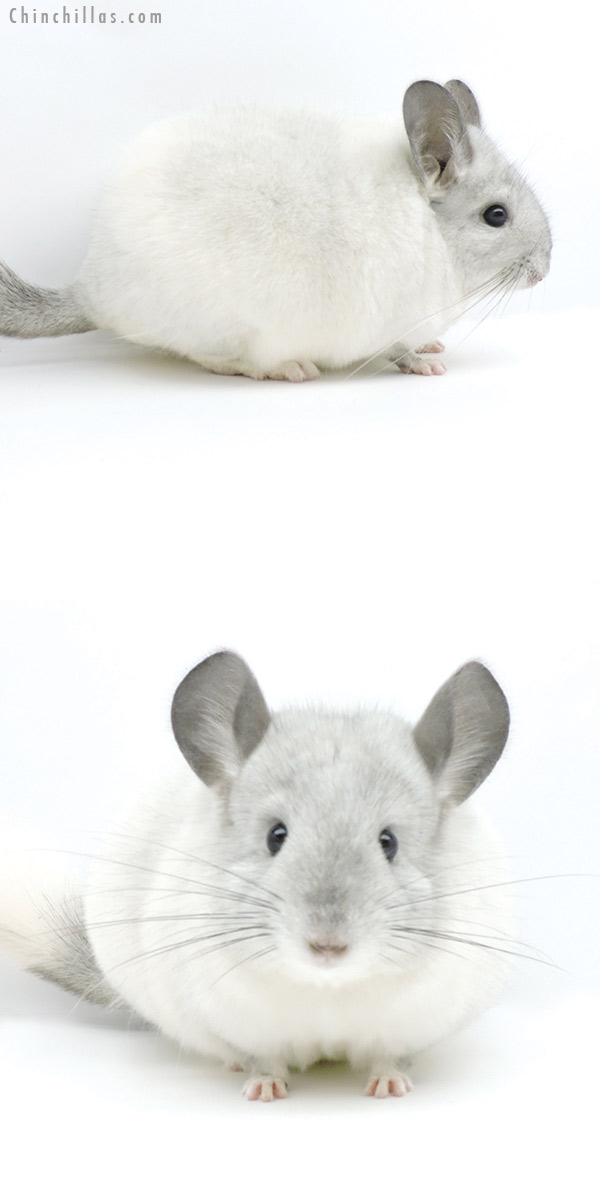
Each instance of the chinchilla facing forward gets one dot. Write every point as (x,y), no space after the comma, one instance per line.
(279,244)
(311,884)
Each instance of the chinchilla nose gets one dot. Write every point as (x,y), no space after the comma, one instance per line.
(538,265)
(535,274)
(326,948)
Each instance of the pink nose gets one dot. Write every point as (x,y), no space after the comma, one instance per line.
(328,949)
(534,277)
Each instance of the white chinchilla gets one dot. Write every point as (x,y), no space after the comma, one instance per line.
(275,244)
(311,885)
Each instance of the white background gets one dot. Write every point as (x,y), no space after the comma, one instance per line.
(356,541)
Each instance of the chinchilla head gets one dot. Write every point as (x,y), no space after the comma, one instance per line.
(492,222)
(332,821)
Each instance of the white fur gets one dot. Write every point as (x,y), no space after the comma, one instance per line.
(273,244)
(188,874)
(35,880)
(284,1010)
(268,1012)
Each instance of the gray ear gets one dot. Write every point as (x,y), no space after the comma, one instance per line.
(462,733)
(219,716)
(465,100)
(435,129)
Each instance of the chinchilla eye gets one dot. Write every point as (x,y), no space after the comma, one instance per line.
(389,843)
(496,215)
(276,837)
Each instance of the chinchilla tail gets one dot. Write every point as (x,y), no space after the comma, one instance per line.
(27,311)
(42,927)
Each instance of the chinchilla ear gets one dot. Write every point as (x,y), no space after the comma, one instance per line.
(462,733)
(436,132)
(465,100)
(219,716)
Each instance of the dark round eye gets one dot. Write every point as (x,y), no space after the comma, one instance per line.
(389,843)
(495,215)
(276,837)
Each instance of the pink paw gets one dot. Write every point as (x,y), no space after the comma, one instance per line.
(432,348)
(265,1087)
(382,1086)
(414,364)
(294,372)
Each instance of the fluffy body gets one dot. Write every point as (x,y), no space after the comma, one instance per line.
(277,244)
(269,238)
(324,949)
(284,1009)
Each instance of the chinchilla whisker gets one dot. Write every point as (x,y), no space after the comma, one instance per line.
(202,861)
(430,876)
(420,941)
(158,950)
(514,287)
(225,945)
(146,889)
(495,297)
(490,931)
(501,291)
(206,889)
(482,887)
(386,958)
(157,918)
(474,296)
(242,962)
(492,292)
(196,937)
(116,862)
(153,870)
(402,953)
(441,935)
(495,935)
(158,895)
(444,935)
(202,890)
(503,297)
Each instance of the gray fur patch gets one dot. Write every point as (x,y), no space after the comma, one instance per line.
(74,967)
(27,311)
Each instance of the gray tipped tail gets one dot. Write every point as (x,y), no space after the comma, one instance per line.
(27,311)
(42,919)
(68,959)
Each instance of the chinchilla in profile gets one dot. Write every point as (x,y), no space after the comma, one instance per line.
(310,885)
(275,244)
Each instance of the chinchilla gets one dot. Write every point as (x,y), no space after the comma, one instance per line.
(309,884)
(277,244)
